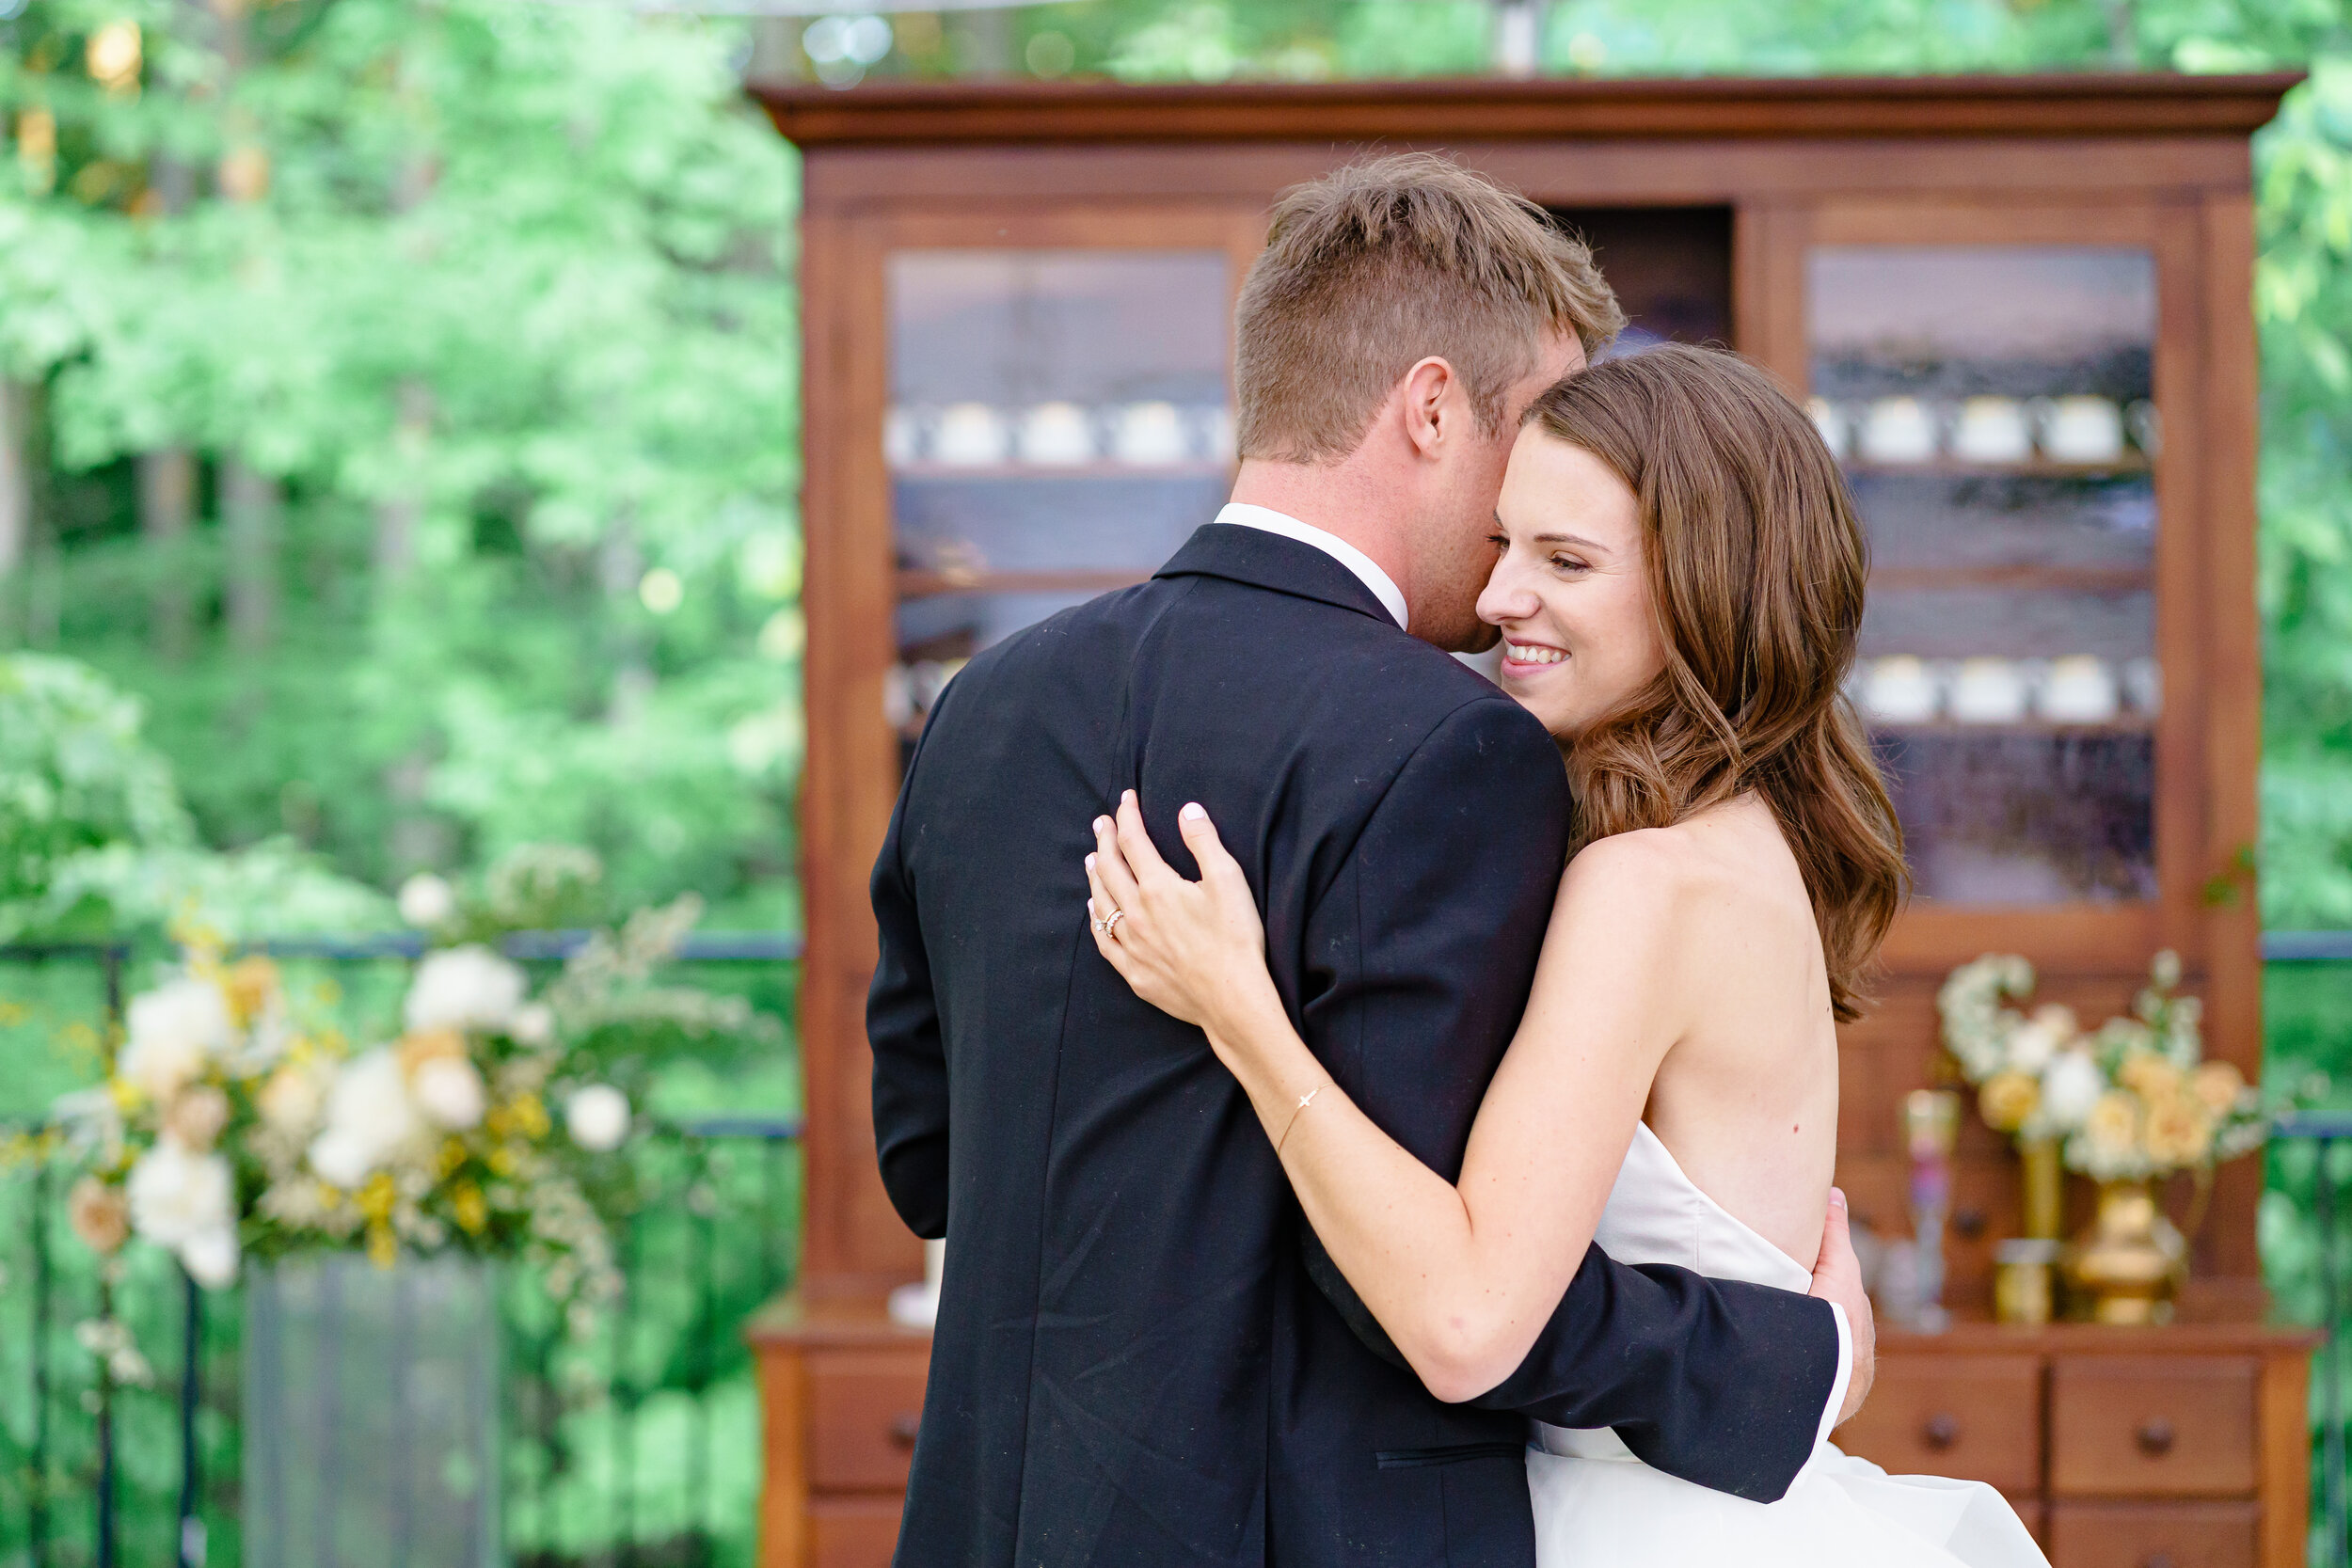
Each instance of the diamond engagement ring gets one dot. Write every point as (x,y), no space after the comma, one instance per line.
(1103,925)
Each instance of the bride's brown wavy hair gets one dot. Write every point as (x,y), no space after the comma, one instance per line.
(1756,566)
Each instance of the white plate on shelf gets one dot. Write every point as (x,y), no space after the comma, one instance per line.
(1993,430)
(1055,434)
(1899,430)
(1990,692)
(1148,435)
(2077,689)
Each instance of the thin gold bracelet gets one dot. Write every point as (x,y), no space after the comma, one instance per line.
(1304,1100)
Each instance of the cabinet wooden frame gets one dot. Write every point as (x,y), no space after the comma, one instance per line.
(2160,163)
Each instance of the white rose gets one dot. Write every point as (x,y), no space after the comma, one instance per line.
(450,1092)
(211,1258)
(426,901)
(534,1024)
(186,1203)
(369,1119)
(2070,1085)
(467,987)
(2031,1045)
(597,1117)
(173,1031)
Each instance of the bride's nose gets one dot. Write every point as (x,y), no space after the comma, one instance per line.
(1505,600)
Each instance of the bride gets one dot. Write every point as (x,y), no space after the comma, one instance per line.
(1678,580)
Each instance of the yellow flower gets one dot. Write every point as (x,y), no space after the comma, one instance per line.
(330,1196)
(502,1161)
(2216,1085)
(531,1115)
(248,985)
(469,1208)
(2150,1076)
(2179,1131)
(378,1197)
(383,1246)
(2113,1126)
(453,1156)
(2008,1099)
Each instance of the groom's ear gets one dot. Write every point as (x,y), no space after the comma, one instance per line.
(1432,403)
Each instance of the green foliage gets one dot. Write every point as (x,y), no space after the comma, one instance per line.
(510,332)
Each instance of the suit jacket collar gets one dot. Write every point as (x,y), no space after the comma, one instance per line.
(1270,561)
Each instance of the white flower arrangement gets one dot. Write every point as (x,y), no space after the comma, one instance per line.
(235,1123)
(2131,1099)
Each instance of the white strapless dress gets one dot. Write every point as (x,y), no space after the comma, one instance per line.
(1597,1506)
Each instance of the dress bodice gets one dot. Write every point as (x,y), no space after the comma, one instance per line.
(1657,1215)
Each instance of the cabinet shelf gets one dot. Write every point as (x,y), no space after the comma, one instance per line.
(966,473)
(920,584)
(2030,576)
(2029,467)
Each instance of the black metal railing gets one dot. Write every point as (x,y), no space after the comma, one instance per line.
(629,1440)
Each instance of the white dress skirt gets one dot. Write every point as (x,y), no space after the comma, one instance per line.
(1597,1506)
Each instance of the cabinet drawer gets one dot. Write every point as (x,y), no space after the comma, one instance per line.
(1972,1417)
(2176,1426)
(853,1532)
(863,1412)
(2154,1535)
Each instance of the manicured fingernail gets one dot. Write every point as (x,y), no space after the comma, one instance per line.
(1101,824)
(1192,812)
(1837,1199)
(1127,795)
(1089,862)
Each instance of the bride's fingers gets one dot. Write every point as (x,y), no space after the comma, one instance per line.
(1216,867)
(1134,842)
(1118,881)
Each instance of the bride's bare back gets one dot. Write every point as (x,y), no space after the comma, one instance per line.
(1746,1097)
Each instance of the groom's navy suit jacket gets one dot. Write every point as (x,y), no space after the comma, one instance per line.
(1133,1365)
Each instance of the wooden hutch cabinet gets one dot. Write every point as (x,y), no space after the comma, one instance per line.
(2021,309)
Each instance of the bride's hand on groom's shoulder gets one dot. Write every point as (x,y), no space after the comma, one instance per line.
(1837,1277)
(1193,949)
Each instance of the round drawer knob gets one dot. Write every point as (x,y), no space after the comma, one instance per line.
(1940,1432)
(2154,1437)
(905,1427)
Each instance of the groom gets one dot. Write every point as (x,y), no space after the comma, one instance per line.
(1142,1356)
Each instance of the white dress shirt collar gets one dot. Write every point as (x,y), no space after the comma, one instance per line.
(1367,570)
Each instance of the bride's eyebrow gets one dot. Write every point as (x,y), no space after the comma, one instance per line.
(1576,540)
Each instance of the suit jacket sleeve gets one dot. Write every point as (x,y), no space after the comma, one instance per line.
(1419,960)
(909,1056)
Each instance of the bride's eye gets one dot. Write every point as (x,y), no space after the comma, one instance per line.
(1568,563)
(1501,541)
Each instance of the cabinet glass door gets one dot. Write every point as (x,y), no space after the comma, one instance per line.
(1993,406)
(1059,424)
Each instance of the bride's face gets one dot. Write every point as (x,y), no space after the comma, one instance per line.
(1569,589)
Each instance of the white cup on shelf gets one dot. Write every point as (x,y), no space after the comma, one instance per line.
(902,435)
(2082,429)
(1899,430)
(1055,434)
(969,435)
(1993,430)
(1148,435)
(1829,420)
(1900,690)
(1989,691)
(2077,689)
(2143,683)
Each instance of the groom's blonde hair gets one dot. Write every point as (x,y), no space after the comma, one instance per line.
(1380,264)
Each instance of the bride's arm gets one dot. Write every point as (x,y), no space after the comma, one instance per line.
(1463,1277)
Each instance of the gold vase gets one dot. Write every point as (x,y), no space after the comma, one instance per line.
(2127,1265)
(2042,1188)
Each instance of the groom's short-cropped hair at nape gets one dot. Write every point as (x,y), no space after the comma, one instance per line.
(1382,263)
